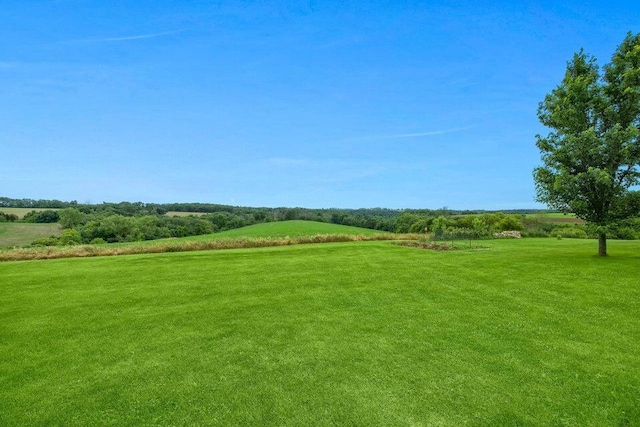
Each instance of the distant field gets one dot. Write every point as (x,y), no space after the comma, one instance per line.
(20,234)
(557,217)
(551,215)
(175,213)
(21,212)
(529,332)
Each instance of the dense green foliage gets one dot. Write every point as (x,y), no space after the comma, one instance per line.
(129,222)
(528,332)
(8,217)
(42,217)
(8,202)
(592,156)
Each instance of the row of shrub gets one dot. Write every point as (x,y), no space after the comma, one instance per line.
(5,217)
(444,229)
(45,216)
(128,222)
(99,228)
(384,219)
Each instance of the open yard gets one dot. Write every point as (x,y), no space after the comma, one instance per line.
(526,332)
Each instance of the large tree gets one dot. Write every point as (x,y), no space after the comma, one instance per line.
(591,157)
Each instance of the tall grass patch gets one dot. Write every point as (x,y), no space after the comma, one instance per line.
(181,245)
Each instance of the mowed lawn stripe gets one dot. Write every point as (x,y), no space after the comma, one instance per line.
(529,332)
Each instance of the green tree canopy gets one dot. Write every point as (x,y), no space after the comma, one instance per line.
(70,217)
(591,156)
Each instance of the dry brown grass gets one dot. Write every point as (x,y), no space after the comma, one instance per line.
(81,251)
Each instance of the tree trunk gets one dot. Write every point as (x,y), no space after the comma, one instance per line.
(602,244)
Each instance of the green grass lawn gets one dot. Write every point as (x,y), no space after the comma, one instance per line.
(527,332)
(19,234)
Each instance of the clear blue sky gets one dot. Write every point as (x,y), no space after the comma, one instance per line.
(399,104)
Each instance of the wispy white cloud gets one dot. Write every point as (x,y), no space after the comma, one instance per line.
(408,135)
(125,38)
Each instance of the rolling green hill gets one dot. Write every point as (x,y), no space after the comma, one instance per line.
(268,230)
(280,229)
(526,332)
(294,228)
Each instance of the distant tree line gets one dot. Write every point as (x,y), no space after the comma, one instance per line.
(127,221)
(6,202)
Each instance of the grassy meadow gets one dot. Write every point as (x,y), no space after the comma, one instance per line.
(552,215)
(526,332)
(20,234)
(294,228)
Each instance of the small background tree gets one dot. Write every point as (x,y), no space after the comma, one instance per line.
(590,159)
(70,217)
